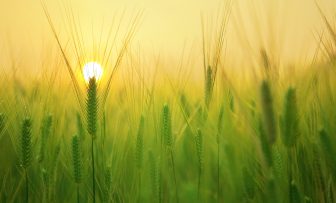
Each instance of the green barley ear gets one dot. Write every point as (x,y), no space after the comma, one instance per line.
(289,122)
(268,112)
(92,107)
(139,143)
(208,86)
(45,132)
(26,151)
(76,159)
(166,126)
(80,128)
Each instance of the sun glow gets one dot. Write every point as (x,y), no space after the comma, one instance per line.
(92,70)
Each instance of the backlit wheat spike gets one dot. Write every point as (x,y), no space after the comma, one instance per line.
(108,183)
(76,159)
(92,107)
(278,163)
(45,132)
(26,151)
(268,112)
(168,141)
(154,175)
(289,122)
(166,126)
(208,86)
(77,164)
(139,143)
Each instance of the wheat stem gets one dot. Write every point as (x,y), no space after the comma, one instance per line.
(93,172)
(27,186)
(219,131)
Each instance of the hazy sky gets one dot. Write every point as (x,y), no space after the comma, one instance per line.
(167,25)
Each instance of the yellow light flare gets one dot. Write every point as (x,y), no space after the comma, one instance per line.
(92,70)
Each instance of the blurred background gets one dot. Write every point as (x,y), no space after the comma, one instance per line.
(289,28)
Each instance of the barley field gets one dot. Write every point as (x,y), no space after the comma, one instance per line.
(246,112)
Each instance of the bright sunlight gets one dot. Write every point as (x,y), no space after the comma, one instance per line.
(92,70)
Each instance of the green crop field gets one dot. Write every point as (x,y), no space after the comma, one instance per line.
(126,128)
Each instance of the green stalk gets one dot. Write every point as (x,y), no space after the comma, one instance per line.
(27,186)
(93,172)
(139,151)
(199,147)
(78,199)
(219,132)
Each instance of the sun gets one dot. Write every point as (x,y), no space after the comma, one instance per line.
(92,70)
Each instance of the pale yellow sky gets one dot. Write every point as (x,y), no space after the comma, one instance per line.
(285,25)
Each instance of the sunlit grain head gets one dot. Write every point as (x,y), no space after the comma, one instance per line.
(92,70)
